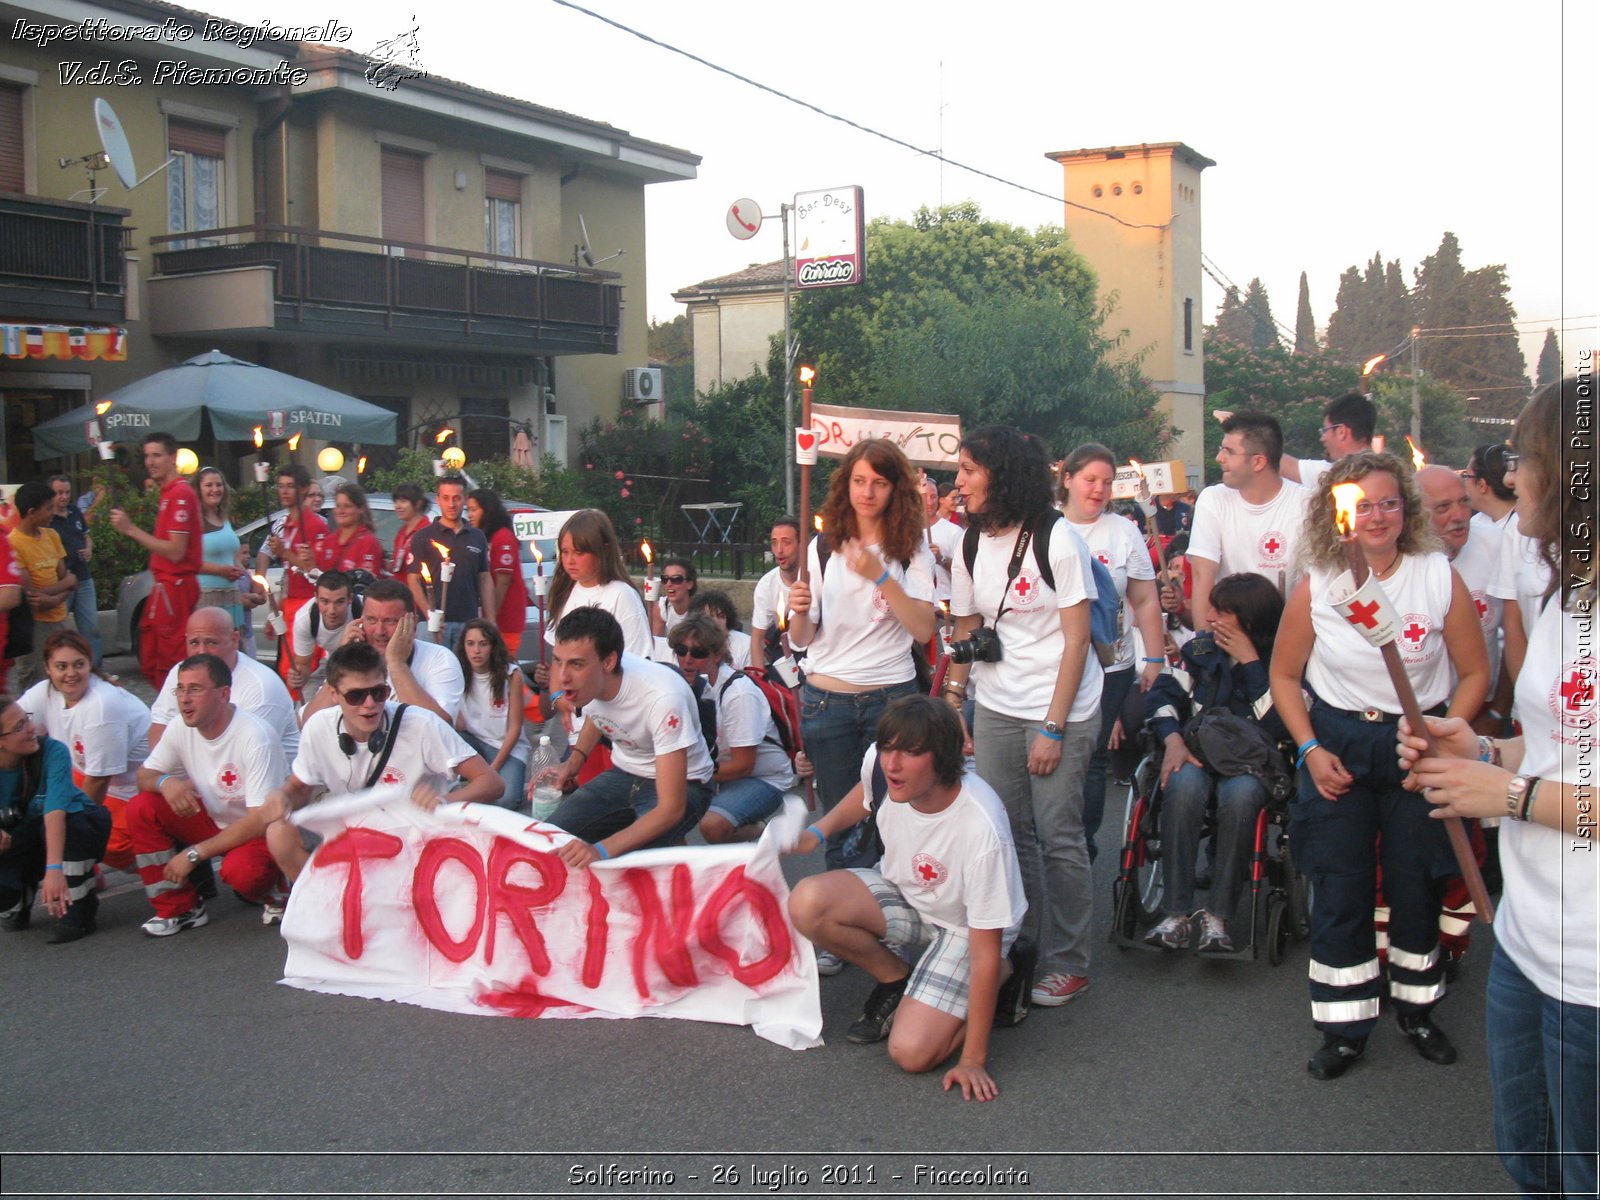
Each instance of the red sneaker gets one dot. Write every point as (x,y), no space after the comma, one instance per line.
(1055,989)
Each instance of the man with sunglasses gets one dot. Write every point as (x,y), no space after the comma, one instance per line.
(201,795)
(256,687)
(1347,427)
(658,786)
(361,742)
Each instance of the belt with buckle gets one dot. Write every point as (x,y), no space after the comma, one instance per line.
(1375,716)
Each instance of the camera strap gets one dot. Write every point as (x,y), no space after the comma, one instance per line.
(1024,536)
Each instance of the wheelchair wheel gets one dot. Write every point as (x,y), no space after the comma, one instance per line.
(1279,928)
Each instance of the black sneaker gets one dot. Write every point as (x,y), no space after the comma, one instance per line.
(16,918)
(1011,1005)
(878,1015)
(1335,1057)
(1429,1040)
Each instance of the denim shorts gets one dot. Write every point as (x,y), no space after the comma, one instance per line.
(745,801)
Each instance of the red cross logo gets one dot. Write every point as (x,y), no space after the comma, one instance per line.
(1104,558)
(1480,604)
(77,746)
(1577,692)
(672,721)
(391,776)
(1363,614)
(1024,586)
(928,871)
(1414,633)
(228,778)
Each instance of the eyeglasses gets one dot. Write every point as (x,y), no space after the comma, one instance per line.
(359,696)
(1390,506)
(691,651)
(674,579)
(1328,428)
(194,689)
(1468,475)
(25,724)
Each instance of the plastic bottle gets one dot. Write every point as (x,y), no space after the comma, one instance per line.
(546,797)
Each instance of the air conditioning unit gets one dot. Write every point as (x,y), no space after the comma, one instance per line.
(642,384)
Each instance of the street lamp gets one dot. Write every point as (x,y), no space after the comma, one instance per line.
(330,459)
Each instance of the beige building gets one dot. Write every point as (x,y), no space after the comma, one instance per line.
(734,319)
(410,240)
(1134,213)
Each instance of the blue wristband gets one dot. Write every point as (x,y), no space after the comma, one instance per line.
(816,833)
(162,782)
(1054,737)
(1305,748)
(601,850)
(53,867)
(882,577)
(557,694)
(1162,661)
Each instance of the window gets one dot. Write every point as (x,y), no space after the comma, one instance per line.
(502,212)
(13,162)
(403,208)
(485,428)
(1188,323)
(195,181)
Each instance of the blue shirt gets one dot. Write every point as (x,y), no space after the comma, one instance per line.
(469,550)
(73,531)
(56,791)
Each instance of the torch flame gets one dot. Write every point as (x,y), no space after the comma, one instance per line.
(444,435)
(427,575)
(361,465)
(256,435)
(537,557)
(1371,364)
(102,408)
(806,376)
(1345,498)
(444,553)
(783,619)
(294,442)
(817,522)
(1418,458)
(644,549)
(1136,464)
(262,580)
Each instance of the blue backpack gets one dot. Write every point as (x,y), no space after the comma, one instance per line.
(1105,610)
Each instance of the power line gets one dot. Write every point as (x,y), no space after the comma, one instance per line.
(936,155)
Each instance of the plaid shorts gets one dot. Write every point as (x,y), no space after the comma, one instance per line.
(942,971)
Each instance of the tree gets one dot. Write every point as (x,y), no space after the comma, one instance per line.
(1305,328)
(1233,322)
(1294,388)
(963,314)
(1247,321)
(1469,334)
(1447,435)
(1549,360)
(1372,312)
(671,344)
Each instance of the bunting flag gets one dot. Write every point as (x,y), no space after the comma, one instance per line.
(109,343)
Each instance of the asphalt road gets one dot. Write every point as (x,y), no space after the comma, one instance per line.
(130,1066)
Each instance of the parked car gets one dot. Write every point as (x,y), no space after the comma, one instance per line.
(136,588)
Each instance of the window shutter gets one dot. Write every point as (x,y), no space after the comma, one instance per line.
(499,185)
(402,197)
(205,141)
(13,167)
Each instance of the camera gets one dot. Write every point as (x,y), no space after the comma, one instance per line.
(12,815)
(982,645)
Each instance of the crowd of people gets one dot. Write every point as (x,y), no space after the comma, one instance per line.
(968,663)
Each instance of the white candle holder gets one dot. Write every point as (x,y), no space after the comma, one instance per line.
(276,624)
(263,471)
(438,467)
(108,450)
(435,620)
(541,586)
(447,572)
(787,671)
(652,589)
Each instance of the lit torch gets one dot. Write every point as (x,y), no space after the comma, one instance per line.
(1418,458)
(447,569)
(1370,612)
(435,615)
(262,467)
(652,590)
(275,622)
(541,588)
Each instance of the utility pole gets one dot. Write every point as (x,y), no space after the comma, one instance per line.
(788,374)
(1416,391)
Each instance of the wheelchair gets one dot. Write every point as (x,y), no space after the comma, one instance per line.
(1279,895)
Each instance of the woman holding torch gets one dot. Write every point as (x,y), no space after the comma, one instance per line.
(1352,811)
(1544,981)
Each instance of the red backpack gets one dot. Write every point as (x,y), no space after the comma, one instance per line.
(781,702)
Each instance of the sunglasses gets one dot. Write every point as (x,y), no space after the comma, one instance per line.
(691,651)
(359,696)
(674,579)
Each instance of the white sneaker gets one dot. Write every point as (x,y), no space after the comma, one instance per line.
(272,914)
(167,926)
(1214,934)
(829,963)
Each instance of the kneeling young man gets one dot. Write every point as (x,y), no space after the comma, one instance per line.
(947,895)
(364,741)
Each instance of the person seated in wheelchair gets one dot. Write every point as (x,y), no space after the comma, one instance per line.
(1223,672)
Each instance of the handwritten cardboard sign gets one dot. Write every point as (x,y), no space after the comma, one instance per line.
(1164,478)
(928,439)
(468,909)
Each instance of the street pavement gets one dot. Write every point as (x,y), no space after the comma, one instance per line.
(132,1066)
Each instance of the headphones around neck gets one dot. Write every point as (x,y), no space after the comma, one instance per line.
(375,743)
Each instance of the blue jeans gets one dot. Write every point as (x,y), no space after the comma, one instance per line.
(745,801)
(1184,801)
(613,800)
(1542,1067)
(1113,694)
(513,772)
(450,636)
(85,612)
(837,728)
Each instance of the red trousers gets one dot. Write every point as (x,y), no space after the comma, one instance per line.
(162,641)
(158,833)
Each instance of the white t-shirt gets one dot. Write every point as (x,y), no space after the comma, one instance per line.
(486,720)
(770,599)
(327,639)
(427,751)
(1347,671)
(107,732)
(945,536)
(669,615)
(738,648)
(1120,547)
(1251,537)
(256,689)
(233,773)
(1023,682)
(1522,574)
(1477,563)
(1311,472)
(438,673)
(860,641)
(957,868)
(1548,919)
(654,712)
(622,602)
(745,719)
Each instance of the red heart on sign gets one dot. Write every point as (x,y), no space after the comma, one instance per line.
(805,440)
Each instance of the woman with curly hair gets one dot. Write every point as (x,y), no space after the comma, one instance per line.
(1352,812)
(1028,580)
(865,606)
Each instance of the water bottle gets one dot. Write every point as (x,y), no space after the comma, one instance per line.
(546,796)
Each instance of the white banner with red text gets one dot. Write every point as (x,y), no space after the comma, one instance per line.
(468,909)
(928,439)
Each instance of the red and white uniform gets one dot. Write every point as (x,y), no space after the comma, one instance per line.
(363,552)
(505,558)
(176,589)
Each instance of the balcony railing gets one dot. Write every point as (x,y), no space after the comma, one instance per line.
(315,269)
(63,258)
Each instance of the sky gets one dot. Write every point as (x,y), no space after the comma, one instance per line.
(1338,130)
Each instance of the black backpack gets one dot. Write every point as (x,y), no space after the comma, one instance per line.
(19,633)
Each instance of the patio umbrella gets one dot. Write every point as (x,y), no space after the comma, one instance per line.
(238,396)
(522,450)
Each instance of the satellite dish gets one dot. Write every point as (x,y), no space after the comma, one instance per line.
(587,252)
(115,143)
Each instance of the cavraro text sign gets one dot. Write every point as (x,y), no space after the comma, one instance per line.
(830,238)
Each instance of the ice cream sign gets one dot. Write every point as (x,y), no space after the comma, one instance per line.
(830,238)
